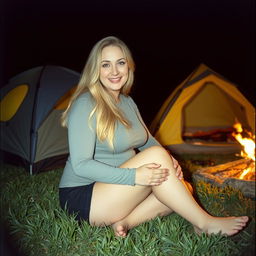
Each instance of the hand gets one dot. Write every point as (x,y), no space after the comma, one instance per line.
(151,175)
(177,167)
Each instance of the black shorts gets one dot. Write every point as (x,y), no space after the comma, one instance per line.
(77,200)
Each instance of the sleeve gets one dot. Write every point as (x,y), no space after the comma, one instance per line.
(151,141)
(82,141)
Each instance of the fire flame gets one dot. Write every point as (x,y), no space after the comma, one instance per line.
(247,143)
(248,147)
(245,172)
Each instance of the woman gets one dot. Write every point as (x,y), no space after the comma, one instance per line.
(104,180)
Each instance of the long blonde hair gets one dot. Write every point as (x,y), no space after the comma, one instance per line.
(106,111)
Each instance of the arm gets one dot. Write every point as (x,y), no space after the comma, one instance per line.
(82,141)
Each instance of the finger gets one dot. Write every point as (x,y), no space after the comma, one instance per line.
(158,182)
(175,162)
(153,165)
(155,183)
(178,171)
(160,176)
(180,176)
(160,171)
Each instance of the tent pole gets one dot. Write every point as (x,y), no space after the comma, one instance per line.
(31,169)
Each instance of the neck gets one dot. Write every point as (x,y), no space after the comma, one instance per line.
(116,96)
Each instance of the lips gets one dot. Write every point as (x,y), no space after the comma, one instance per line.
(115,80)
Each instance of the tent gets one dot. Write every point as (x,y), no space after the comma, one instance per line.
(31,106)
(203,103)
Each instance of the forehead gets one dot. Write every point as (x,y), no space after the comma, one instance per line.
(112,52)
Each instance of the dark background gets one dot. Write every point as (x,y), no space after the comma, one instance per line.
(168,39)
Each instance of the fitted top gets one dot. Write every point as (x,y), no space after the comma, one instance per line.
(91,160)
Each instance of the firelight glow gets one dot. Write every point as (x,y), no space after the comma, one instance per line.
(247,143)
(248,147)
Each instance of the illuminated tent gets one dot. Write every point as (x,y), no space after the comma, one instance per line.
(205,102)
(31,106)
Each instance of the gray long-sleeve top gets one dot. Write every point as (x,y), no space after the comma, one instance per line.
(91,160)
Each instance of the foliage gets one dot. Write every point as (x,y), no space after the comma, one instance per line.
(30,210)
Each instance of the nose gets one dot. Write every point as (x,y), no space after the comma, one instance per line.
(114,70)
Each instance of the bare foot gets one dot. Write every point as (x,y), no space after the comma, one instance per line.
(225,225)
(120,229)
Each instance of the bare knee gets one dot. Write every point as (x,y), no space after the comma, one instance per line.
(160,155)
(157,151)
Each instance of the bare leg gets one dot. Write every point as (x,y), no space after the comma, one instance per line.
(150,208)
(112,203)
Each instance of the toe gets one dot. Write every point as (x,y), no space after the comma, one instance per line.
(245,218)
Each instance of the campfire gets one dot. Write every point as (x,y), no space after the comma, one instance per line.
(248,151)
(239,174)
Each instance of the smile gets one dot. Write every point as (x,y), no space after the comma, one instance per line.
(115,80)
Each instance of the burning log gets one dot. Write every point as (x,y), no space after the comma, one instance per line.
(239,174)
(230,174)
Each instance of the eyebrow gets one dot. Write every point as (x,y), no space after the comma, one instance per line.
(110,61)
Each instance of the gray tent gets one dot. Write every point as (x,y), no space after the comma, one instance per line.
(31,106)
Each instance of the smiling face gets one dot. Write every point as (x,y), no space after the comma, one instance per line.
(113,69)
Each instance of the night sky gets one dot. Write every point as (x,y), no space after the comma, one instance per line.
(168,39)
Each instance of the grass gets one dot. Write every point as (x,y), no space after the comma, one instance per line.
(37,226)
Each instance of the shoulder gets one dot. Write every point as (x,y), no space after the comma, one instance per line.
(83,105)
(80,109)
(87,97)
(84,99)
